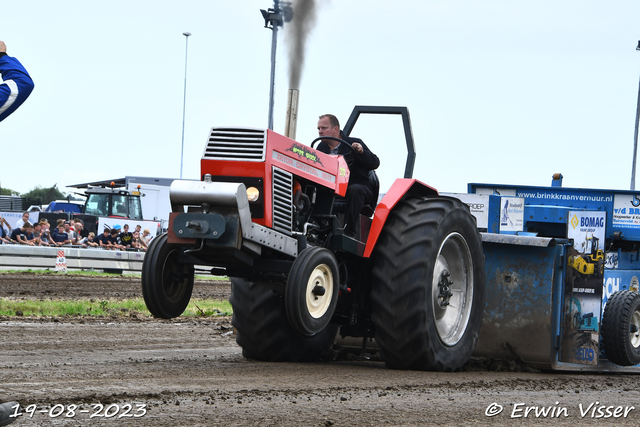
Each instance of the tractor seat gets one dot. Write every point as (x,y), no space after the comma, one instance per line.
(339,204)
(374,184)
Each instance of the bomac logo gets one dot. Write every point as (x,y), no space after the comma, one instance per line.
(305,152)
(575,221)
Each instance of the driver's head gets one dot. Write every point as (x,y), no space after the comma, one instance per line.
(328,125)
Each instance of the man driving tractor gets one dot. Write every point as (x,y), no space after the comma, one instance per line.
(359,192)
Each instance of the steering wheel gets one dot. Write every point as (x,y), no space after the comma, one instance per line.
(349,157)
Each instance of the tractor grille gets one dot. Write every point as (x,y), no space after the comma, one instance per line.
(282,200)
(242,144)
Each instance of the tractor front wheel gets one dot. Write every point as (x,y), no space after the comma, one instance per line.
(428,287)
(167,283)
(263,331)
(311,294)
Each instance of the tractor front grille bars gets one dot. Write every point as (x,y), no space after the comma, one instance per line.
(240,144)
(282,200)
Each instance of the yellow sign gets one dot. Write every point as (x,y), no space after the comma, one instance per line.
(575,221)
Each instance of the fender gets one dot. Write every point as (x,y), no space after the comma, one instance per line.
(401,188)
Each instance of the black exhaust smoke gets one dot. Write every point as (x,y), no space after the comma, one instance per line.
(304,19)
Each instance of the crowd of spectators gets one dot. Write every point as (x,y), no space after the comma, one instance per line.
(73,233)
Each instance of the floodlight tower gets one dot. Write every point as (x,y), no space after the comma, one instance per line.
(274,18)
(635,138)
(184,102)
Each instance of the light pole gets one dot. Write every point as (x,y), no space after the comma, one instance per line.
(274,18)
(184,102)
(635,138)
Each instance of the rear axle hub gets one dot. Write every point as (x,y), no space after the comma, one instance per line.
(444,287)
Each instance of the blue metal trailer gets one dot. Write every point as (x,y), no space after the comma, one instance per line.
(562,267)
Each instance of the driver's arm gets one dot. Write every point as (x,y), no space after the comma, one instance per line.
(367,158)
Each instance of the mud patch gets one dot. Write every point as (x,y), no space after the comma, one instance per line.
(190,372)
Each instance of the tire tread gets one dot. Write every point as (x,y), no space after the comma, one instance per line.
(263,330)
(616,322)
(405,336)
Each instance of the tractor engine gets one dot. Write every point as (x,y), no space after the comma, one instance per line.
(258,192)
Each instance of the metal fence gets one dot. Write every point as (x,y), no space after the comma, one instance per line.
(22,257)
(18,204)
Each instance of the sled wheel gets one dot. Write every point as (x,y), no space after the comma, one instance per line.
(166,282)
(263,331)
(428,288)
(311,294)
(621,328)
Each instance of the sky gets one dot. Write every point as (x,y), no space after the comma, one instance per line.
(499,91)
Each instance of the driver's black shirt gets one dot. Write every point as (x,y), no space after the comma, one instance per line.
(363,163)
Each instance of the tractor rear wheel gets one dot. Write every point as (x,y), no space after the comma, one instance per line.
(166,282)
(428,285)
(263,331)
(621,328)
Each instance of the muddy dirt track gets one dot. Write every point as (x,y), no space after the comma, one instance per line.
(192,373)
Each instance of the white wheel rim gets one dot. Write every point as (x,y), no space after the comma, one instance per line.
(451,320)
(319,304)
(634,337)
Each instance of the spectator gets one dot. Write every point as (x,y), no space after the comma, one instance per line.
(78,226)
(4,221)
(138,229)
(135,242)
(16,84)
(4,237)
(30,238)
(14,235)
(17,231)
(126,237)
(113,241)
(82,235)
(103,239)
(90,240)
(21,221)
(37,227)
(83,242)
(45,235)
(59,236)
(73,237)
(23,234)
(145,239)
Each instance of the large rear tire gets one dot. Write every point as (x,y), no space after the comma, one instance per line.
(263,331)
(428,285)
(167,283)
(621,328)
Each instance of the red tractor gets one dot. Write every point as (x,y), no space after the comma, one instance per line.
(266,214)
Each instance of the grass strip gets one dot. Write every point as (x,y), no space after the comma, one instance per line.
(99,274)
(105,307)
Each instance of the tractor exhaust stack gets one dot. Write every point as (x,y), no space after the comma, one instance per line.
(291,121)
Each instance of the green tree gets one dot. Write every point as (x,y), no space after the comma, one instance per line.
(47,195)
(8,192)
